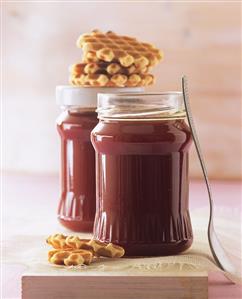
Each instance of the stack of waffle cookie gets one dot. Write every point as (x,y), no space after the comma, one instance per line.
(113,60)
(73,251)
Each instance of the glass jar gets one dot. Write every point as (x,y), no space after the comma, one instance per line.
(142,143)
(77,205)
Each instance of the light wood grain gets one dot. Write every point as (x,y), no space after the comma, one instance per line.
(109,286)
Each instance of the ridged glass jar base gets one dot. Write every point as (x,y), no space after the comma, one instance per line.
(153,237)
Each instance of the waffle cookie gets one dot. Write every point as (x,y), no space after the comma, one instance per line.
(117,80)
(106,249)
(106,68)
(111,47)
(70,257)
(74,243)
(59,241)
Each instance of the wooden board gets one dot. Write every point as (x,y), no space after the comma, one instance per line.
(113,283)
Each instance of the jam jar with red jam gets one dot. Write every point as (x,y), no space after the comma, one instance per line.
(142,143)
(77,205)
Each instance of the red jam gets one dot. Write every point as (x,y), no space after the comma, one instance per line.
(76,209)
(142,185)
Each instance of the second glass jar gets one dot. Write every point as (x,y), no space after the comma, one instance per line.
(76,210)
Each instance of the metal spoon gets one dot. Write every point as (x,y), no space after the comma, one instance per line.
(220,256)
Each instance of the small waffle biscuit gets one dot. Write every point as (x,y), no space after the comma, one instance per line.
(117,80)
(105,68)
(96,244)
(106,249)
(51,253)
(71,250)
(111,47)
(77,243)
(86,254)
(111,250)
(74,259)
(58,241)
(58,257)
(70,257)
(73,242)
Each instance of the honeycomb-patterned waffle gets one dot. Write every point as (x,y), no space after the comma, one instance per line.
(109,74)
(70,257)
(111,60)
(106,249)
(111,47)
(72,251)
(117,80)
(106,68)
(59,241)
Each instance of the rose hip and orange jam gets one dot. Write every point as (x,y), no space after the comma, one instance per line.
(142,143)
(76,208)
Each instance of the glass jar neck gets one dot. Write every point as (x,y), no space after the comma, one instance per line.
(78,109)
(141,106)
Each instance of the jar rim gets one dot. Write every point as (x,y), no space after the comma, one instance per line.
(141,105)
(142,93)
(67,95)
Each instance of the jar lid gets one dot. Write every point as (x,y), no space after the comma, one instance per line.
(67,95)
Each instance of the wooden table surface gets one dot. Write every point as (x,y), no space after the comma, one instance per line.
(29,208)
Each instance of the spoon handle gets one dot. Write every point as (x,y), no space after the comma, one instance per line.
(201,159)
